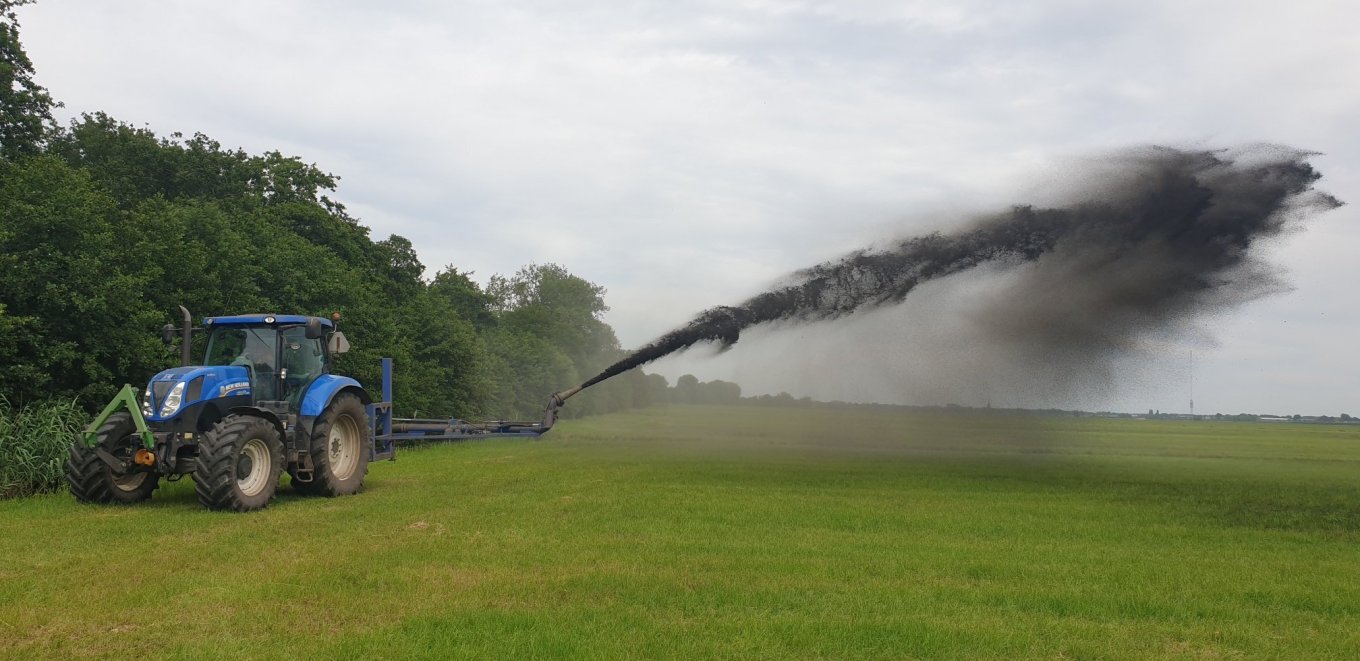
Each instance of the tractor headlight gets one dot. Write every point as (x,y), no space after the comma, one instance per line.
(146,403)
(172,400)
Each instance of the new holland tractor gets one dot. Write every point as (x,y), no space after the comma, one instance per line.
(263,402)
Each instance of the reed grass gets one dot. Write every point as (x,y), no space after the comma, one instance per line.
(34,440)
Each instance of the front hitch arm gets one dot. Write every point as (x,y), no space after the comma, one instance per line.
(127,398)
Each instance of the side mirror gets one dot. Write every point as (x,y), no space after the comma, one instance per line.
(338,344)
(313,329)
(168,334)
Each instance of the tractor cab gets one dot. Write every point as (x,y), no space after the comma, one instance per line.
(280,354)
(261,361)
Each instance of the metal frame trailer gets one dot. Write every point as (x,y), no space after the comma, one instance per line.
(388,431)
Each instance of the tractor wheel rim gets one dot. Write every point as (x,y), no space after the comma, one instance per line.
(255,456)
(342,447)
(129,481)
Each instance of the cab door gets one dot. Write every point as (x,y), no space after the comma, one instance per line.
(301,361)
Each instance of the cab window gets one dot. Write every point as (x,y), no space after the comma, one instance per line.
(303,360)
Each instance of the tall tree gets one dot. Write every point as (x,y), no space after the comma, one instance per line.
(80,285)
(459,290)
(546,300)
(25,106)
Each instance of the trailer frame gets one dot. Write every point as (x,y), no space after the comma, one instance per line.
(388,431)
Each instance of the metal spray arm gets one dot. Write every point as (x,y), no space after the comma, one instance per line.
(556,402)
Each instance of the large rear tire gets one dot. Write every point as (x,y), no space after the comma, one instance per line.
(92,481)
(238,465)
(340,447)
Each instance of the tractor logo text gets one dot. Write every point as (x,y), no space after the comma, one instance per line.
(237,388)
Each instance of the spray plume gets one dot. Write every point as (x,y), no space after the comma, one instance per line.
(1163,234)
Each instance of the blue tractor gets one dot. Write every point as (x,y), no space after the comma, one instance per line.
(263,402)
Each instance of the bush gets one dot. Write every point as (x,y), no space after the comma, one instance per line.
(34,440)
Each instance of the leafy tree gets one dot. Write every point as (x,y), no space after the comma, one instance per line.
(527,370)
(447,370)
(464,296)
(17,347)
(547,316)
(399,268)
(655,391)
(718,392)
(134,164)
(25,106)
(66,277)
(551,303)
(687,389)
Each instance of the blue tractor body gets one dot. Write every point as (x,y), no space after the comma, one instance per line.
(263,402)
(193,398)
(221,387)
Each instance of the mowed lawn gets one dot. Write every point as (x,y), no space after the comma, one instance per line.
(735,532)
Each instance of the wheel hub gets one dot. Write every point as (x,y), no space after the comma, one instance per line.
(253,467)
(343,447)
(132,479)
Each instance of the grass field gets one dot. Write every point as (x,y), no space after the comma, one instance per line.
(735,532)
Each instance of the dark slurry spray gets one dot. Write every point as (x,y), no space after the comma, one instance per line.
(1162,234)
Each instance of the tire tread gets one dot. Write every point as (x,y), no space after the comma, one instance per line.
(215,466)
(88,476)
(323,482)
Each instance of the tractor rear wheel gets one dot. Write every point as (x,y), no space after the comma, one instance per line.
(238,465)
(93,481)
(340,447)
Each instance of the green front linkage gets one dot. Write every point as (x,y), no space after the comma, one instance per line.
(127,397)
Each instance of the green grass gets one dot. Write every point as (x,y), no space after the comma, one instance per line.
(735,532)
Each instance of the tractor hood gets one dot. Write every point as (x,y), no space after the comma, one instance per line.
(177,390)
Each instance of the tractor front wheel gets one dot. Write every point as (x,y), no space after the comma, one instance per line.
(340,447)
(93,481)
(238,465)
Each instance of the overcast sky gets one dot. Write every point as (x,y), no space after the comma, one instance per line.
(685,155)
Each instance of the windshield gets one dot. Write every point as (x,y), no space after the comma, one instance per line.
(252,347)
(241,345)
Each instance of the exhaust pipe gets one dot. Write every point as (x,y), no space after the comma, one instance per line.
(186,348)
(186,337)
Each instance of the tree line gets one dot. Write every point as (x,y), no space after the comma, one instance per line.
(106,227)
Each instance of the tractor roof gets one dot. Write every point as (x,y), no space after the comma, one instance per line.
(257,319)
